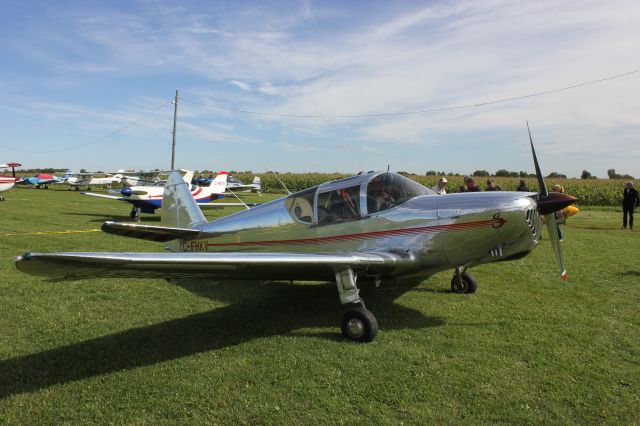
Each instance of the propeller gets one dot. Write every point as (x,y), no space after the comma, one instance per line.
(548,204)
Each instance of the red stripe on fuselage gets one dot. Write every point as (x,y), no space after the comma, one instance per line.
(368,235)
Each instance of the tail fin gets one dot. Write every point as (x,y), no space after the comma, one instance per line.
(179,209)
(219,184)
(257,183)
(187,175)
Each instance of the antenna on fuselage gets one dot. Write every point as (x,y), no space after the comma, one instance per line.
(388,167)
(282,183)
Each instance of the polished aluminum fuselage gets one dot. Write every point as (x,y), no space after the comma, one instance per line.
(431,232)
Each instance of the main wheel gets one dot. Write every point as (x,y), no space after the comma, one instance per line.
(359,325)
(467,285)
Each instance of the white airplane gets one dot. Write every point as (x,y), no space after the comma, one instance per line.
(7,182)
(147,199)
(149,178)
(77,180)
(235,184)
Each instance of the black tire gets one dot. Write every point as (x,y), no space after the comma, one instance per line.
(359,325)
(469,284)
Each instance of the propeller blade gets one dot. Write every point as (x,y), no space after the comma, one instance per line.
(548,204)
(543,187)
(552,230)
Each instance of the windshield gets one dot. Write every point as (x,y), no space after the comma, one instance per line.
(388,190)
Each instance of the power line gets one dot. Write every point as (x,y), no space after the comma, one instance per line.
(99,140)
(420,111)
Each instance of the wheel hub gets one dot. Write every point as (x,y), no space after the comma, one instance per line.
(355,327)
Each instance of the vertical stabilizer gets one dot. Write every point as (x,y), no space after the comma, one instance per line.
(187,175)
(219,184)
(256,184)
(179,209)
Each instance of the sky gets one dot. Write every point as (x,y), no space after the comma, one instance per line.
(321,86)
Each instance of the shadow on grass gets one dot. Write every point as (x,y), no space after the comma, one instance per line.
(254,310)
(119,218)
(630,273)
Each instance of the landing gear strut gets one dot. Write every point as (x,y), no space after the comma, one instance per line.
(135,214)
(462,282)
(358,323)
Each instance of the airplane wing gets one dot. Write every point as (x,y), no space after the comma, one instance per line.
(235,265)
(111,197)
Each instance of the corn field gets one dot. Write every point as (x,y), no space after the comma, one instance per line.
(592,192)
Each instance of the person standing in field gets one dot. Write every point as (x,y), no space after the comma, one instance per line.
(630,200)
(439,188)
(559,215)
(472,186)
(491,186)
(522,186)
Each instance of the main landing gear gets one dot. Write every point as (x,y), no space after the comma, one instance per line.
(462,282)
(358,323)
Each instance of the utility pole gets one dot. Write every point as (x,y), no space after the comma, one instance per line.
(173,146)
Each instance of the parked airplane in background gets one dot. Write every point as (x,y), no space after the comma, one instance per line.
(7,182)
(44,180)
(147,199)
(149,178)
(375,226)
(76,180)
(233,183)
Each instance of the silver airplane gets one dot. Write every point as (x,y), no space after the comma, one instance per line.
(375,227)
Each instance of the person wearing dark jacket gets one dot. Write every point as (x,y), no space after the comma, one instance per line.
(630,200)
(472,186)
(522,186)
(492,186)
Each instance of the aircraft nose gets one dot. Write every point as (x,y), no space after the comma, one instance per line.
(554,202)
(126,192)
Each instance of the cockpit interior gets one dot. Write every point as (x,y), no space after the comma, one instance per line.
(353,198)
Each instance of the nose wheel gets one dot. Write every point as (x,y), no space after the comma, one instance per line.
(359,324)
(463,283)
(135,214)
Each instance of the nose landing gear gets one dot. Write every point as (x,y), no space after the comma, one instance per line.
(135,214)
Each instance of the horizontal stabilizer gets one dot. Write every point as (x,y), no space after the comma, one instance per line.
(313,266)
(149,232)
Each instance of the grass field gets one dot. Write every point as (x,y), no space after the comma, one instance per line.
(526,348)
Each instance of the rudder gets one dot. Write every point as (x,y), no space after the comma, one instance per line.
(179,209)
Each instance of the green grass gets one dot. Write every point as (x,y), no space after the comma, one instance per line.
(526,348)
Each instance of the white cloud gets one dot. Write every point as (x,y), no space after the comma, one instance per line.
(241,85)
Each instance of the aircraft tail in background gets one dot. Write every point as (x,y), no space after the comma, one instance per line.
(219,184)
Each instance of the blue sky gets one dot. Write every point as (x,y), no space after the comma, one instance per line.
(88,84)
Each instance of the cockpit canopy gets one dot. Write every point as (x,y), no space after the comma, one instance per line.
(353,197)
